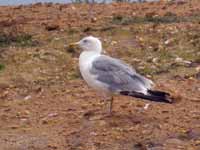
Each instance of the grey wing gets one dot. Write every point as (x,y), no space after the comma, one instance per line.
(118,75)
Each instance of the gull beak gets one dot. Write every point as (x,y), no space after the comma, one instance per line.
(71,47)
(73,44)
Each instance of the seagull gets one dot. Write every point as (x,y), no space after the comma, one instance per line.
(113,76)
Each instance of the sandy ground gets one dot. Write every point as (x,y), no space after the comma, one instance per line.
(44,103)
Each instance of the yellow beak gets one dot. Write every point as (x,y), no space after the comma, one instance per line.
(73,44)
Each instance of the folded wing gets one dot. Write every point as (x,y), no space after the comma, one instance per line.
(119,76)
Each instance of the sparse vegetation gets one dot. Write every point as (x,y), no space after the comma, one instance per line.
(17,39)
(167,19)
(2,66)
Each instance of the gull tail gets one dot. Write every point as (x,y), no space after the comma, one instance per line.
(156,96)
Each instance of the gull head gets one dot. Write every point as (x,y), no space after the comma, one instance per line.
(90,43)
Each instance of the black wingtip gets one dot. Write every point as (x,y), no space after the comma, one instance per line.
(156,96)
(162,95)
(158,93)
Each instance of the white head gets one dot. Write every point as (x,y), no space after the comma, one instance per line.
(90,43)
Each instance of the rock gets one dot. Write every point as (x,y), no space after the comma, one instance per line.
(94,19)
(155,60)
(26,112)
(197,68)
(167,42)
(187,62)
(93,134)
(178,59)
(53,114)
(52,27)
(14,127)
(113,42)
(146,106)
(197,142)
(73,8)
(136,60)
(56,38)
(27,97)
(24,120)
(174,141)
(139,146)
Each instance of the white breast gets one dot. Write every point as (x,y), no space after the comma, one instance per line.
(85,63)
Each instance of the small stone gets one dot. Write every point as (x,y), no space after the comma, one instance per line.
(149,76)
(56,39)
(52,114)
(174,141)
(155,60)
(136,60)
(93,133)
(23,119)
(141,67)
(141,39)
(27,97)
(178,59)
(14,127)
(94,19)
(26,112)
(44,121)
(197,68)
(187,62)
(146,106)
(113,42)
(197,142)
(53,146)
(52,27)
(167,42)
(73,8)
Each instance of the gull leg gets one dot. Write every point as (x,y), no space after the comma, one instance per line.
(110,106)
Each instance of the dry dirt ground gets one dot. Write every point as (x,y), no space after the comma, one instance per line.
(44,103)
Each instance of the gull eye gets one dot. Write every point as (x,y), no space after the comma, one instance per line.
(85,41)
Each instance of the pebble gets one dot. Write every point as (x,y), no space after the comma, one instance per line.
(155,60)
(187,62)
(174,141)
(178,59)
(94,19)
(197,68)
(146,106)
(56,39)
(52,114)
(167,42)
(26,112)
(23,119)
(51,27)
(197,142)
(93,133)
(73,8)
(113,42)
(137,60)
(27,97)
